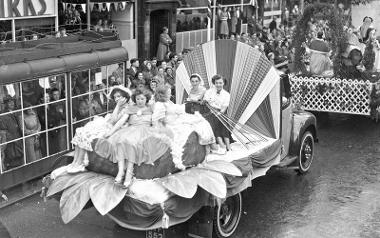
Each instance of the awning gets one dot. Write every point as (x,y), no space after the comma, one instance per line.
(16,72)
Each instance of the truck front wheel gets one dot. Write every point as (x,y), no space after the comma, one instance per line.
(306,152)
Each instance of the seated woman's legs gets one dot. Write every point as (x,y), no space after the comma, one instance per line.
(227,142)
(129,174)
(220,141)
(80,161)
(121,171)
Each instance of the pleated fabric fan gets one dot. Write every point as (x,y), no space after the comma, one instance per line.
(254,84)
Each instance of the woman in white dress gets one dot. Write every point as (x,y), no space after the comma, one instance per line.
(172,117)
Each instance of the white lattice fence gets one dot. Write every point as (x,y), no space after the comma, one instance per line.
(332,94)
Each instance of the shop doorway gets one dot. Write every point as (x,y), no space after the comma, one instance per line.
(158,19)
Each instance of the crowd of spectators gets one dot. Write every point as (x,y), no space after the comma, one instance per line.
(151,73)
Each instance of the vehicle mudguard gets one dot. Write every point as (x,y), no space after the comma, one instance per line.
(302,121)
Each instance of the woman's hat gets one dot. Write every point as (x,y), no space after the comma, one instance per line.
(119,87)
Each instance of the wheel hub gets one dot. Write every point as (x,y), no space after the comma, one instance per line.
(307,152)
(226,214)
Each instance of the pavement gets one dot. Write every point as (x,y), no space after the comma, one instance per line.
(339,197)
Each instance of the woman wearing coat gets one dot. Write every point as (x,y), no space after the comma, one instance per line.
(163,45)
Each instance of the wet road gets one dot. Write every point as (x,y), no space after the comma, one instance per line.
(339,197)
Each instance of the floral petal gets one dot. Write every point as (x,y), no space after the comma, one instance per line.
(211,181)
(182,183)
(105,194)
(73,200)
(65,181)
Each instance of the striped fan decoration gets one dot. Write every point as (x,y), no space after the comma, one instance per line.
(253,82)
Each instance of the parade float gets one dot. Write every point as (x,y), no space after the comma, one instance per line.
(268,132)
(351,85)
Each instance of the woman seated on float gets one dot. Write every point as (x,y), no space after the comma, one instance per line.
(137,142)
(170,116)
(100,127)
(218,99)
(197,91)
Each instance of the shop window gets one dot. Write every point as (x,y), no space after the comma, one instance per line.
(34,28)
(72,17)
(192,19)
(5,31)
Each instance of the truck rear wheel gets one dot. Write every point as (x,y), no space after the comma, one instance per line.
(227,216)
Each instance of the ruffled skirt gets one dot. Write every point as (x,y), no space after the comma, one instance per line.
(181,127)
(94,129)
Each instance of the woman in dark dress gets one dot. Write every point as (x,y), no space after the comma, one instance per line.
(218,99)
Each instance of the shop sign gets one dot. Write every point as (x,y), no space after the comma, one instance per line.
(26,8)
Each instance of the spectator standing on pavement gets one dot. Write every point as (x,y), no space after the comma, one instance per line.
(148,72)
(135,64)
(164,44)
(273,24)
(224,24)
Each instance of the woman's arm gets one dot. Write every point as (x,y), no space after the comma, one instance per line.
(117,126)
(116,112)
(226,103)
(114,115)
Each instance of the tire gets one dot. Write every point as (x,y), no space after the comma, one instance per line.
(306,152)
(227,216)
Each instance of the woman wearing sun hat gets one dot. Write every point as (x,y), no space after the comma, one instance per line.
(100,127)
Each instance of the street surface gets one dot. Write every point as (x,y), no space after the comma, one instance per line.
(339,197)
